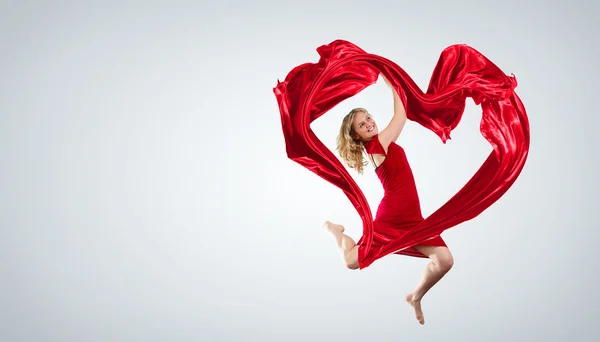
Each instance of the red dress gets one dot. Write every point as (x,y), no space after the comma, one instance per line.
(400,208)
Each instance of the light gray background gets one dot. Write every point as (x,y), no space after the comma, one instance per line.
(146,194)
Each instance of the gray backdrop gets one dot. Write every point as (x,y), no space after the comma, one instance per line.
(146,194)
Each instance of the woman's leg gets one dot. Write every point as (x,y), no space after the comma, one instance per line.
(441,263)
(346,246)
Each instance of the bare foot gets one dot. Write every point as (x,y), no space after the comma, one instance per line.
(416,304)
(333,228)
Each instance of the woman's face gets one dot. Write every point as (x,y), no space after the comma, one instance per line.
(364,126)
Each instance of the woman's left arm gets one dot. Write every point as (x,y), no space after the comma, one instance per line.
(394,128)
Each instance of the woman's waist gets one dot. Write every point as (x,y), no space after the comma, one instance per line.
(399,192)
(400,201)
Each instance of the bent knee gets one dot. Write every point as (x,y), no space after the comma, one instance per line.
(352,265)
(445,262)
(351,261)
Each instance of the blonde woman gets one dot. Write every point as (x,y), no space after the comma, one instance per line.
(399,209)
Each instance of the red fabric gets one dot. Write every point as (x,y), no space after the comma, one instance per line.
(311,89)
(399,210)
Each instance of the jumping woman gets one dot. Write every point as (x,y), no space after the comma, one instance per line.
(399,209)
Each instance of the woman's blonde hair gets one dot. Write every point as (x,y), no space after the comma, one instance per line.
(351,150)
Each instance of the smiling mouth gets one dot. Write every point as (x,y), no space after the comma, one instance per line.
(371,129)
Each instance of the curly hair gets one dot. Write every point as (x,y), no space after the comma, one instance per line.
(351,150)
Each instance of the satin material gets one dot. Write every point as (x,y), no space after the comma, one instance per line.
(343,70)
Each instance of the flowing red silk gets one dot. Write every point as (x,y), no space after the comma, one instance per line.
(343,70)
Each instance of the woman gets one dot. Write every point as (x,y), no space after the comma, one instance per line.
(399,209)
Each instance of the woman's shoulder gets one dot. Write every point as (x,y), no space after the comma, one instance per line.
(374,146)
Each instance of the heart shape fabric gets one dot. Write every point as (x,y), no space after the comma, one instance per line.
(311,89)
